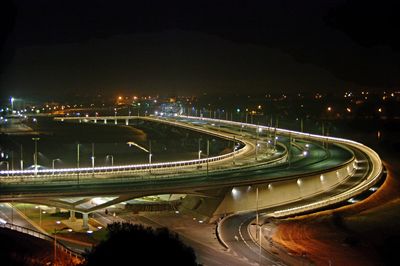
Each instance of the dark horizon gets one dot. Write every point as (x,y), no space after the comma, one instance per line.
(52,50)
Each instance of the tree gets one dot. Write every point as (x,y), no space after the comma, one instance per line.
(132,244)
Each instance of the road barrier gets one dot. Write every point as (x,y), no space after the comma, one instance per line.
(40,235)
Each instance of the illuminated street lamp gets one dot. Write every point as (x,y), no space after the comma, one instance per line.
(8,165)
(92,158)
(234,149)
(150,154)
(12,103)
(199,149)
(112,159)
(36,155)
(53,163)
(40,214)
(77,160)
(55,240)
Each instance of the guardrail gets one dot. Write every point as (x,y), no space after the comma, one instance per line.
(138,175)
(369,181)
(25,176)
(40,235)
(125,168)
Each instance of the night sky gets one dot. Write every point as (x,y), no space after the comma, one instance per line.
(54,48)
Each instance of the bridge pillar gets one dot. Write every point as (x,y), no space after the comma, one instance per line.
(115,121)
(126,121)
(95,121)
(105,121)
(85,218)
(72,217)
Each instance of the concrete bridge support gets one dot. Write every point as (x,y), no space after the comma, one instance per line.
(126,121)
(105,121)
(85,219)
(72,217)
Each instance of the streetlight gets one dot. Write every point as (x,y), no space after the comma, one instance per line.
(22,160)
(257,146)
(55,239)
(112,159)
(12,103)
(234,149)
(40,214)
(208,153)
(8,166)
(199,149)
(150,154)
(77,160)
(92,158)
(53,162)
(36,158)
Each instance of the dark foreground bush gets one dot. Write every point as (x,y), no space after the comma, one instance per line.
(131,244)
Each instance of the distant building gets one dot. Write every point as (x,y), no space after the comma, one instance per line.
(171,108)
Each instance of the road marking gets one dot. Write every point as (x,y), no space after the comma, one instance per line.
(262,255)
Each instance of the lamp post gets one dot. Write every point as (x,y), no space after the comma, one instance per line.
(92,158)
(55,240)
(234,150)
(53,163)
(22,160)
(8,166)
(40,214)
(256,208)
(208,153)
(257,145)
(112,159)
(150,154)
(36,157)
(12,104)
(199,149)
(77,160)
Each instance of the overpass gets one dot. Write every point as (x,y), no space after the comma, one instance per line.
(269,168)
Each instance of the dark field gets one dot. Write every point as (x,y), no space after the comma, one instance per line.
(58,140)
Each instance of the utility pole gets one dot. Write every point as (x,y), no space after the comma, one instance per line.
(199,150)
(77,160)
(92,159)
(208,153)
(36,157)
(234,149)
(22,160)
(12,161)
(256,209)
(290,148)
(150,155)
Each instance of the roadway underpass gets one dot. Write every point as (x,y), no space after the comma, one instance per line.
(255,167)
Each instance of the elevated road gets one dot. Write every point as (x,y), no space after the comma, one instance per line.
(238,168)
(266,157)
